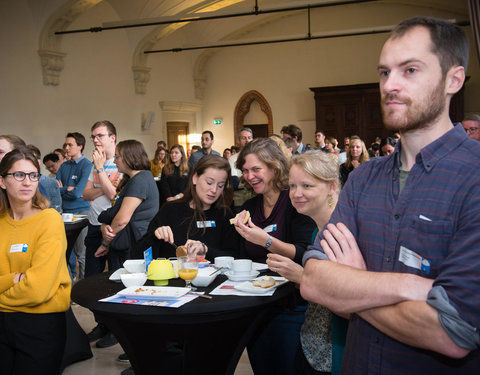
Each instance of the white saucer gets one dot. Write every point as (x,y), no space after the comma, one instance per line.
(259,266)
(234,277)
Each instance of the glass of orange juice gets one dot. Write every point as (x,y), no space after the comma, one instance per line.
(188,269)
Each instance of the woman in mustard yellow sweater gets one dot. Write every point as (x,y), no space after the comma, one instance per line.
(34,280)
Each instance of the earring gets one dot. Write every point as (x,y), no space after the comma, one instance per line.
(330,201)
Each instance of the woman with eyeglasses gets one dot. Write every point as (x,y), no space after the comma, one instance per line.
(174,178)
(34,279)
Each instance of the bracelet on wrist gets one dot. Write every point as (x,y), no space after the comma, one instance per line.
(269,242)
(105,244)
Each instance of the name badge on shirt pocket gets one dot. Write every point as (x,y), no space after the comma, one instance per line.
(19,248)
(206,224)
(270,228)
(412,259)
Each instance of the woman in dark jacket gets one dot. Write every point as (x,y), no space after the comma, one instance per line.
(174,175)
(201,215)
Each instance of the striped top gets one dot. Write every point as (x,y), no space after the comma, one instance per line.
(432,229)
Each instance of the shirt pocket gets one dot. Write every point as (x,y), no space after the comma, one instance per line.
(431,240)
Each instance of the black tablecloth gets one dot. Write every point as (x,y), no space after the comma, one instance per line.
(72,230)
(200,335)
(77,347)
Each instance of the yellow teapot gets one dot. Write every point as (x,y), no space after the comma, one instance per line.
(160,271)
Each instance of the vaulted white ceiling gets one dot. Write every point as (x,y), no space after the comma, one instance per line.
(196,33)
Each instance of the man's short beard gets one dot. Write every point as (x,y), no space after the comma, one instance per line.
(419,115)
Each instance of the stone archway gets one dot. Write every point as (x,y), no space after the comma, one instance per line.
(243,107)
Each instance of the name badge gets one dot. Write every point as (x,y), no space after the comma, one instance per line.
(206,224)
(270,228)
(19,248)
(412,259)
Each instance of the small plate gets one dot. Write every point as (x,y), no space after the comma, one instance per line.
(248,286)
(116,275)
(259,266)
(75,219)
(233,277)
(153,292)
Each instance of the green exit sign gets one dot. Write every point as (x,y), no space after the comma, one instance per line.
(217,121)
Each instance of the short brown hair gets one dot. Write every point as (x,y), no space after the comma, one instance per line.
(449,42)
(294,131)
(110,127)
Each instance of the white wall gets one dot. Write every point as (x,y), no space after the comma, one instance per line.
(97,81)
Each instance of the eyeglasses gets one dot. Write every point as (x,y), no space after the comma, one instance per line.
(471,130)
(20,176)
(99,136)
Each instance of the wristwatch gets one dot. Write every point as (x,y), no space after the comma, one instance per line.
(104,244)
(100,170)
(269,242)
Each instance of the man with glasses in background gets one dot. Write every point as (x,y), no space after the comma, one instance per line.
(100,190)
(471,124)
(72,177)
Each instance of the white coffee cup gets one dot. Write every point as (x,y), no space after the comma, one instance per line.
(67,217)
(242,266)
(225,262)
(174,262)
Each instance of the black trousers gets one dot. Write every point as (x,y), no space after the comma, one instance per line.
(31,343)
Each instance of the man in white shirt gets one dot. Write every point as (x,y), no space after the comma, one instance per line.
(100,190)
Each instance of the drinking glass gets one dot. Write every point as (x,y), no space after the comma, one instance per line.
(188,269)
(198,249)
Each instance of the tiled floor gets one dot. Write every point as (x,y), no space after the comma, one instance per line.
(105,362)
